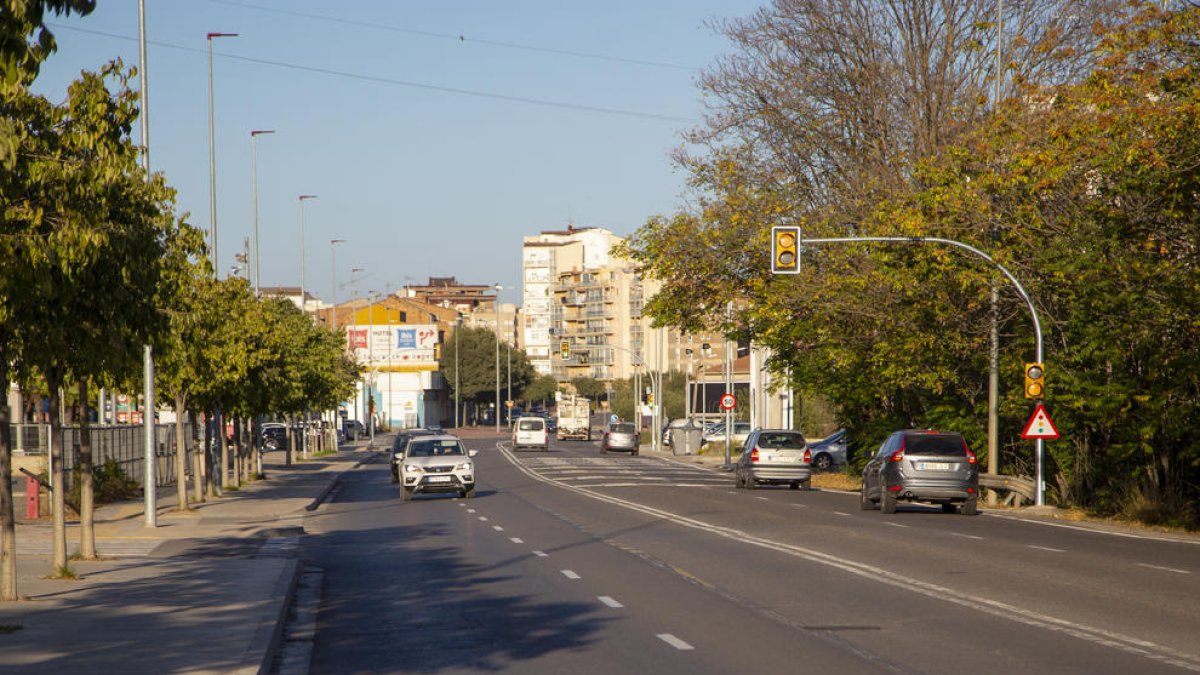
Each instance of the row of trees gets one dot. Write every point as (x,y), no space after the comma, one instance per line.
(96,265)
(873,118)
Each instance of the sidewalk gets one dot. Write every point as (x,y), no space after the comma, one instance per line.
(203,592)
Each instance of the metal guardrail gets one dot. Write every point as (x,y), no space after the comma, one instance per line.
(1019,485)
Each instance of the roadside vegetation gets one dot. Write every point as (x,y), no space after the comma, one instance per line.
(881,118)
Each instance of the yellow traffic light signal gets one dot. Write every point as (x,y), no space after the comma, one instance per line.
(1035,385)
(785,249)
(565,349)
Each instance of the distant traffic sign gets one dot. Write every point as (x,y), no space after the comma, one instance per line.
(1039,425)
(728,402)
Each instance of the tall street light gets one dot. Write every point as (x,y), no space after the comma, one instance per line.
(457,336)
(333,261)
(212,155)
(303,292)
(254,173)
(498,288)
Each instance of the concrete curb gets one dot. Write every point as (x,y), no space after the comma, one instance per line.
(268,634)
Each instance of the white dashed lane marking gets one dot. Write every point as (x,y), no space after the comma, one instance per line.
(1047,548)
(674,641)
(516,540)
(497,528)
(569,574)
(964,536)
(840,513)
(541,554)
(483,518)
(897,525)
(1165,569)
(610,602)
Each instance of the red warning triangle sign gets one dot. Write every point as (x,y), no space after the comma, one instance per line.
(1039,425)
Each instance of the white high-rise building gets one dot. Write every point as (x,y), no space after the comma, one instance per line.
(544,257)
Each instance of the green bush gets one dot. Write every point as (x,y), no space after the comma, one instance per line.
(110,483)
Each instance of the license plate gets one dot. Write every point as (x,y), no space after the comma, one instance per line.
(936,466)
(439,479)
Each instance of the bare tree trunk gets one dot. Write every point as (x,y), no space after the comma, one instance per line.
(87,487)
(239,459)
(58,483)
(8,523)
(181,453)
(198,468)
(291,440)
(223,470)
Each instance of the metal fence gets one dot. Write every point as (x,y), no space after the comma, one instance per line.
(122,443)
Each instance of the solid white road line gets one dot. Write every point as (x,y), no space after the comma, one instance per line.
(1047,548)
(610,602)
(674,641)
(569,574)
(1165,569)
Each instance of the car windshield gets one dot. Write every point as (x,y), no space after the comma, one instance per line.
(623,429)
(438,448)
(531,425)
(934,444)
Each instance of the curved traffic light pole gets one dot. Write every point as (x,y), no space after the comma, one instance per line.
(1039,444)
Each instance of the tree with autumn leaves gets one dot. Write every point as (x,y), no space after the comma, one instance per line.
(1081,180)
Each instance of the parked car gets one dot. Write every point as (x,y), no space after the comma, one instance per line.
(741,431)
(401,442)
(774,457)
(830,451)
(274,436)
(354,430)
(431,464)
(623,436)
(531,432)
(922,466)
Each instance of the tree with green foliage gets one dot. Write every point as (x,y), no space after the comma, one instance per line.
(25,43)
(540,390)
(476,370)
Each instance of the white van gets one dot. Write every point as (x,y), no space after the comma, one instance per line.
(530,432)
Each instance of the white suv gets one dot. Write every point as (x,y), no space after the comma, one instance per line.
(531,432)
(436,464)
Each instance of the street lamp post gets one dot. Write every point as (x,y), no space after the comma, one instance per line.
(254,177)
(457,336)
(212,156)
(333,265)
(498,288)
(303,292)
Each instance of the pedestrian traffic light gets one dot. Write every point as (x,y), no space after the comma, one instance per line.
(1035,385)
(565,349)
(785,249)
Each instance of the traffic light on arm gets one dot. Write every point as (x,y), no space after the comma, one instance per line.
(1035,385)
(785,249)
(565,349)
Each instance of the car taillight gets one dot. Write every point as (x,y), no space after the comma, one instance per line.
(971,459)
(898,455)
(807,456)
(754,455)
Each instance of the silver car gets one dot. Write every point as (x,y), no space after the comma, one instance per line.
(436,464)
(621,436)
(774,457)
(716,436)
(922,466)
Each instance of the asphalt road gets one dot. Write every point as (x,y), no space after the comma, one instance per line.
(569,561)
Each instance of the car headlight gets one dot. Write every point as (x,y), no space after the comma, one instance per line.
(412,468)
(465,466)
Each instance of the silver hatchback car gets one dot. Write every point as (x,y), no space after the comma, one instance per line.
(922,466)
(774,457)
(622,436)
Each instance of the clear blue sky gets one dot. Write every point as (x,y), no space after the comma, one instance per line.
(431,155)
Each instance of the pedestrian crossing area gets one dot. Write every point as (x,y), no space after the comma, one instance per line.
(623,471)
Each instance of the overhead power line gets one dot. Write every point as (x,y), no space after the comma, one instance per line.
(457,38)
(400,83)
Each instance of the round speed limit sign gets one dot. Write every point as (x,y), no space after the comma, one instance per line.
(728,402)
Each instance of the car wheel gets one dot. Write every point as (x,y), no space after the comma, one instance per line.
(469,493)
(971,506)
(750,482)
(887,500)
(406,494)
(795,485)
(867,504)
(949,508)
(822,462)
